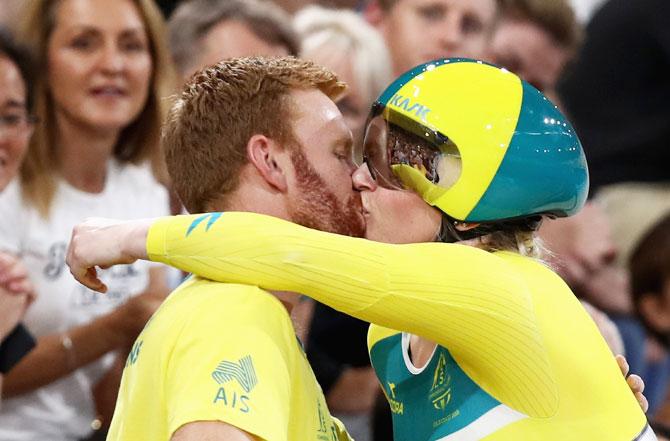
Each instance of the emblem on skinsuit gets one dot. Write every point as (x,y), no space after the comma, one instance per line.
(392,389)
(440,392)
(134,353)
(396,406)
(213,217)
(327,430)
(243,372)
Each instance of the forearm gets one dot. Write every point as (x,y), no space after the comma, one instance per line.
(105,392)
(52,359)
(211,430)
(465,299)
(372,281)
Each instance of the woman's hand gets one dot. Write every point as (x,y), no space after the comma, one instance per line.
(634,382)
(16,292)
(103,243)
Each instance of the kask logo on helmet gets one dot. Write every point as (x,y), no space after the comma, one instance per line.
(407,105)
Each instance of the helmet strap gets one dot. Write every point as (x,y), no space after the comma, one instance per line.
(450,234)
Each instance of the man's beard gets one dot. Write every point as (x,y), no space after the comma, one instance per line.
(317,207)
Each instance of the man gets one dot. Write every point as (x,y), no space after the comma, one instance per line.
(417,31)
(536,39)
(203,32)
(222,360)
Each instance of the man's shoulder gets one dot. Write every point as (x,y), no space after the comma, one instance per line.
(227,304)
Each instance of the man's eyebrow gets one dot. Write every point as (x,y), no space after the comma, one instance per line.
(346,141)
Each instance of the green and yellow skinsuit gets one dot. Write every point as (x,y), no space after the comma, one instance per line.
(518,356)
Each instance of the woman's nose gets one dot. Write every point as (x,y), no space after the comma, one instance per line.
(362,179)
(111,59)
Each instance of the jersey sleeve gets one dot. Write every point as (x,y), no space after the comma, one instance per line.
(238,378)
(468,300)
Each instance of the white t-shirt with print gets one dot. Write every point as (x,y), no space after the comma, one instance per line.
(63,410)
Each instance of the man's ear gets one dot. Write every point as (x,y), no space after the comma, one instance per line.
(267,157)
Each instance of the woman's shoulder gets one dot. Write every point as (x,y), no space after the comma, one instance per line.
(134,175)
(533,269)
(11,199)
(137,183)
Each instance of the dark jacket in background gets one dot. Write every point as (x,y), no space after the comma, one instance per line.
(618,92)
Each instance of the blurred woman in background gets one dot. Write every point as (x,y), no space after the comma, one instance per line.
(16,126)
(105,70)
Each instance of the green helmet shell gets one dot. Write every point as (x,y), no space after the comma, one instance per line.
(519,155)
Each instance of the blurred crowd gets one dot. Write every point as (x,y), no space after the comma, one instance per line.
(84,85)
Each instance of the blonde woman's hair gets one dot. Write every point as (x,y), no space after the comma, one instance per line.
(337,33)
(138,142)
(518,236)
(523,242)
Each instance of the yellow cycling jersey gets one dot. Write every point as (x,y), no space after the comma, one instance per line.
(221,352)
(512,326)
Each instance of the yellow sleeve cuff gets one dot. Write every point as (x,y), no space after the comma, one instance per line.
(157,240)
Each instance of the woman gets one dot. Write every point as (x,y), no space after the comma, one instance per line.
(16,126)
(491,156)
(99,101)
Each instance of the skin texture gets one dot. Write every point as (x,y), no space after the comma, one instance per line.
(322,168)
(395,216)
(354,105)
(100,66)
(211,431)
(331,214)
(528,50)
(16,293)
(13,140)
(418,31)
(229,39)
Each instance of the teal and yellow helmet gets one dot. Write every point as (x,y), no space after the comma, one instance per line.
(477,142)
